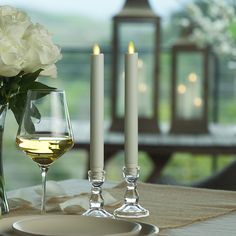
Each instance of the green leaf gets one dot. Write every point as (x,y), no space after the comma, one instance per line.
(27,79)
(34,112)
(17,113)
(28,124)
(34,85)
(18,102)
(17,105)
(38,85)
(2,100)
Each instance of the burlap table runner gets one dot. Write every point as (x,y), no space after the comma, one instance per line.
(172,206)
(169,206)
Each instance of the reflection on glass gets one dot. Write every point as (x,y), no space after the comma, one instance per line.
(189,84)
(143,36)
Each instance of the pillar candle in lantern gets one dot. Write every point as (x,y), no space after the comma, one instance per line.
(198,107)
(192,91)
(182,109)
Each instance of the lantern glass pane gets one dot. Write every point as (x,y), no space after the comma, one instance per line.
(189,90)
(143,36)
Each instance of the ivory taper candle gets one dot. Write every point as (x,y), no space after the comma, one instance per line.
(96,110)
(131,107)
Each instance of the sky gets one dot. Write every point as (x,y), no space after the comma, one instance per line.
(95,8)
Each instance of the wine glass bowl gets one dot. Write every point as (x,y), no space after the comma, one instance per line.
(45,132)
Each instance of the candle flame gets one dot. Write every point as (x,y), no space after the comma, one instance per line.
(96,49)
(131,48)
(181,89)
(192,77)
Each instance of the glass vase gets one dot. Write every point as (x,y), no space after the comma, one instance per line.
(4,208)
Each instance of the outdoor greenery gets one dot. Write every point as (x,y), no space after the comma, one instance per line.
(73,76)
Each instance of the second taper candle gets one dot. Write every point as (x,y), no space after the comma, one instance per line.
(96,110)
(131,108)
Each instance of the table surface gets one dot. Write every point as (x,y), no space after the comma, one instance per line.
(222,225)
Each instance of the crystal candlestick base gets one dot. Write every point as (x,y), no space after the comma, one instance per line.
(131,208)
(96,201)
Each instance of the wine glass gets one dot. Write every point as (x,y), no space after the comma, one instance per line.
(45,132)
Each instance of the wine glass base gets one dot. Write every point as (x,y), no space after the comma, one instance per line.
(131,211)
(98,213)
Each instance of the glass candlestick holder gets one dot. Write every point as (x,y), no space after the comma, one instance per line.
(131,207)
(96,202)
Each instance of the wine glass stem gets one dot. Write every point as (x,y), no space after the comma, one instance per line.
(44,171)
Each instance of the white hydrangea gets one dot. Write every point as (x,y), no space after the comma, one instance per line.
(24,46)
(40,52)
(214,27)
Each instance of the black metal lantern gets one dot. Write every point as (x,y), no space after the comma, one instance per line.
(138,23)
(192,68)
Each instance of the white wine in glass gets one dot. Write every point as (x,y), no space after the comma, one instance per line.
(45,131)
